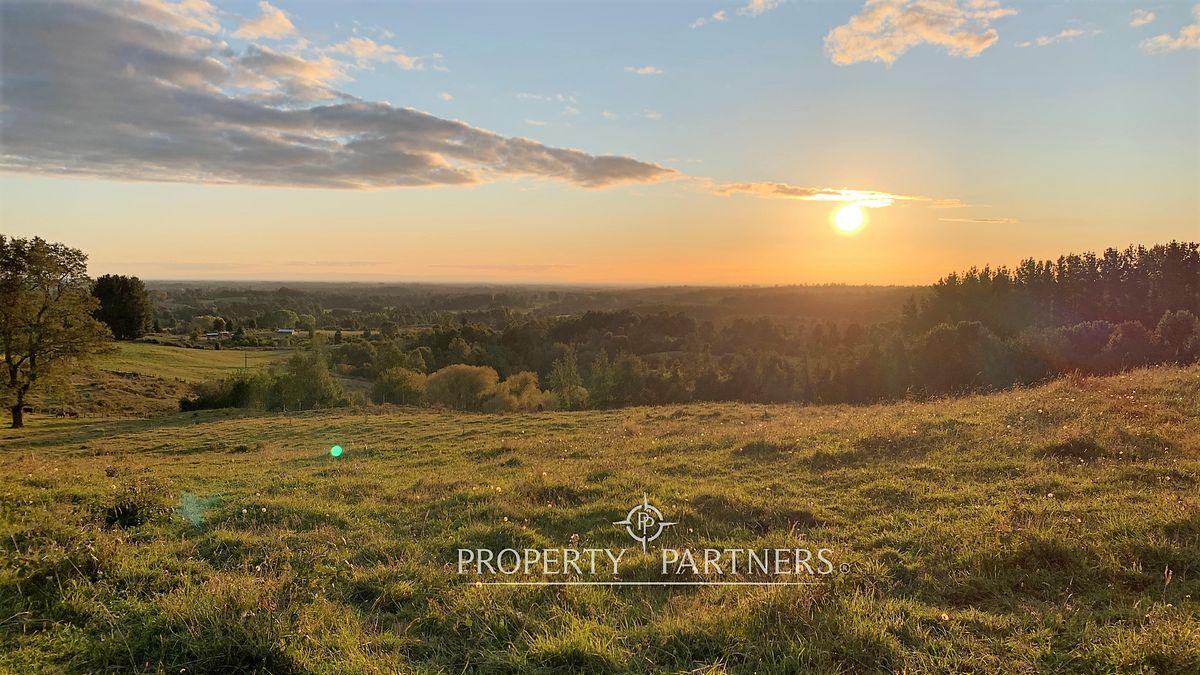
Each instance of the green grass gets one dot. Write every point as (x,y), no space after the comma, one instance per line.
(189,365)
(1051,529)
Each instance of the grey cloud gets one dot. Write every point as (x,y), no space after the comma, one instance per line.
(117,91)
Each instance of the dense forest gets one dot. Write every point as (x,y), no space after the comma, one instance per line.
(979,330)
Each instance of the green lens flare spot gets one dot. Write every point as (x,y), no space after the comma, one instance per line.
(336,451)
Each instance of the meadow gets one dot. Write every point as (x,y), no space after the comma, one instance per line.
(1052,529)
(179,363)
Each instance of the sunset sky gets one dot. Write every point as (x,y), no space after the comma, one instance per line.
(620,142)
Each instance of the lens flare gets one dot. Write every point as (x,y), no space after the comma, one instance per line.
(336,451)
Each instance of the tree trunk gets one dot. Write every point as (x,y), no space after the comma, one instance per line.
(18,416)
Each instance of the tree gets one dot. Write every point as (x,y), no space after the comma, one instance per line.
(1129,346)
(963,356)
(600,381)
(398,385)
(629,379)
(307,322)
(461,386)
(1178,335)
(564,381)
(305,384)
(458,351)
(46,322)
(519,392)
(282,318)
(204,323)
(124,306)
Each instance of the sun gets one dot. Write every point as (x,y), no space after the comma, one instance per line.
(849,219)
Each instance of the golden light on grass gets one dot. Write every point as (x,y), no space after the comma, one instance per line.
(849,219)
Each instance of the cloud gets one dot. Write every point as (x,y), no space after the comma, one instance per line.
(536,123)
(651,114)
(866,198)
(1064,35)
(885,29)
(948,203)
(982,221)
(271,23)
(366,51)
(643,70)
(716,17)
(507,268)
(759,7)
(192,15)
(135,92)
(608,115)
(1188,38)
(1141,17)
(446,96)
(554,98)
(291,74)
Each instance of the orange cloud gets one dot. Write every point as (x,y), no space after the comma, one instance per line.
(885,29)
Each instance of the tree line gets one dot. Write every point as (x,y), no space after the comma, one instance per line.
(979,330)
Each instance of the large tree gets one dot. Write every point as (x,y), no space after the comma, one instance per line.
(124,306)
(46,321)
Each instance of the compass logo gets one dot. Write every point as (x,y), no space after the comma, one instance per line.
(644,523)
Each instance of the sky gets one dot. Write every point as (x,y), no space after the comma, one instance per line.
(747,142)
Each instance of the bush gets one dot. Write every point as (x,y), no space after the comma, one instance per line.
(1178,336)
(243,390)
(519,392)
(304,383)
(1129,346)
(963,357)
(461,387)
(1087,341)
(399,385)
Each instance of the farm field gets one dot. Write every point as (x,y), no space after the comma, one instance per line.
(1054,528)
(179,363)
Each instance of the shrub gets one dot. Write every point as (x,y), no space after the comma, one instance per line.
(399,385)
(565,382)
(461,386)
(519,392)
(304,383)
(242,390)
(1178,336)
(963,357)
(1087,342)
(1129,346)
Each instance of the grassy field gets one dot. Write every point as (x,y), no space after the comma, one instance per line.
(1051,529)
(178,363)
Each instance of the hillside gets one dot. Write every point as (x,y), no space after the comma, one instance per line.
(178,363)
(1055,528)
(143,380)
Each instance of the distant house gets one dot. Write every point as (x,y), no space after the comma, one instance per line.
(218,335)
(284,331)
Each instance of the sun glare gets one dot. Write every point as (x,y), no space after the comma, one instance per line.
(849,219)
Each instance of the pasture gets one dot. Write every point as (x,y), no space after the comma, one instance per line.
(180,363)
(1053,528)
